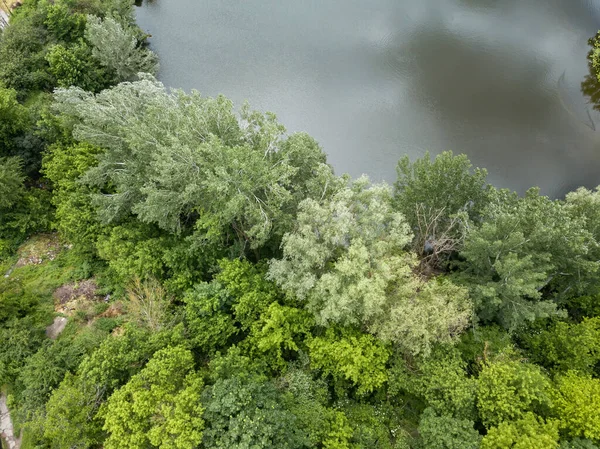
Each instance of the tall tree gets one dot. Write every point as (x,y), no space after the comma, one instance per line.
(190,165)
(347,259)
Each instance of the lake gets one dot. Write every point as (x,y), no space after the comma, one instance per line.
(372,80)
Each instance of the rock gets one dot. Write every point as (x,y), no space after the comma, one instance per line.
(6,426)
(54,330)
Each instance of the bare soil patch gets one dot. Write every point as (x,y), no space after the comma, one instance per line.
(39,249)
(75,296)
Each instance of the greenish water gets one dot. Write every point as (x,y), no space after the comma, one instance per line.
(373,80)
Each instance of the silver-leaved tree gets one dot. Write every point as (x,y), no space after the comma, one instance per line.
(191,164)
(347,258)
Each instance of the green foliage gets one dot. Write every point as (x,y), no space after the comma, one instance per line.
(371,424)
(578,443)
(279,330)
(189,165)
(22,52)
(595,54)
(13,120)
(585,204)
(12,194)
(440,380)
(235,363)
(346,258)
(307,399)
(437,197)
(75,215)
(525,247)
(75,66)
(348,355)
(71,415)
(22,211)
(584,306)
(233,302)
(15,302)
(117,49)
(12,189)
(120,357)
(133,250)
(45,45)
(20,339)
(576,405)
(445,184)
(246,413)
(72,409)
(252,293)
(208,318)
(483,343)
(240,301)
(45,369)
(159,406)
(63,23)
(507,390)
(530,432)
(565,346)
(446,432)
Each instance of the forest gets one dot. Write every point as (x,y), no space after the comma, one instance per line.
(178,272)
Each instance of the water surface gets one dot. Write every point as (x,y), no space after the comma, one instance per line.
(373,80)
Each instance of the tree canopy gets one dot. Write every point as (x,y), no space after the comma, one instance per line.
(179,273)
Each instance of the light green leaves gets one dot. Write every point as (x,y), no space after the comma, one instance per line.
(566,346)
(529,432)
(352,356)
(507,390)
(440,380)
(347,260)
(576,404)
(159,407)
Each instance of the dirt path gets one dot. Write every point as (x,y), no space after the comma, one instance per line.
(6,425)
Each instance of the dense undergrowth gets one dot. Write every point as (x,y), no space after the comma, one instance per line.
(223,288)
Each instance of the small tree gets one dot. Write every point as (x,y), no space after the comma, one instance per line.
(508,389)
(159,407)
(148,303)
(529,432)
(576,404)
